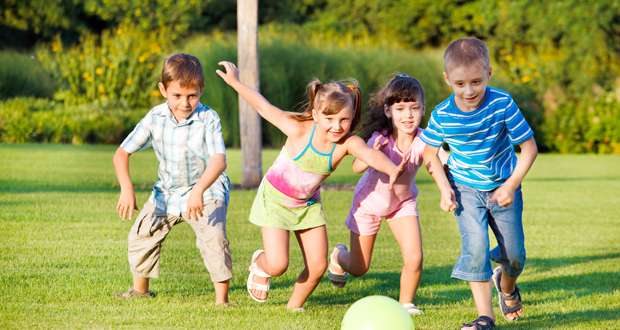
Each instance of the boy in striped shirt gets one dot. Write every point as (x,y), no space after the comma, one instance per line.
(481,124)
(192,185)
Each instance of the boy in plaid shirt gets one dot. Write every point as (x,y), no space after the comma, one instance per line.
(192,185)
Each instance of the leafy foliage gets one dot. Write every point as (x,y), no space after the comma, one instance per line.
(123,64)
(23,75)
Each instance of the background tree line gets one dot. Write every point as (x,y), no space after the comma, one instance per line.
(559,58)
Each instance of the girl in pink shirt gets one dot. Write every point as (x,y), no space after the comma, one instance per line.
(391,125)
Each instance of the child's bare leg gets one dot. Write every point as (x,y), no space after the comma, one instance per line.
(356,261)
(275,259)
(313,244)
(406,230)
(483,297)
(140,284)
(508,286)
(221,292)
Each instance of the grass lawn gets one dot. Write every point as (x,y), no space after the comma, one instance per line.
(63,250)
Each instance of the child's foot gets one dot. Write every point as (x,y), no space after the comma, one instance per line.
(225,305)
(335,273)
(481,323)
(258,281)
(412,309)
(510,305)
(131,293)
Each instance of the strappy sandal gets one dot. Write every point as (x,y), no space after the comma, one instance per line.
(131,293)
(411,309)
(254,270)
(516,295)
(335,277)
(478,323)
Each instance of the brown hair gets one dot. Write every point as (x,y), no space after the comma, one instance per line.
(185,69)
(331,98)
(466,52)
(401,88)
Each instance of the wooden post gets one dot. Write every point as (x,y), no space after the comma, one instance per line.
(249,120)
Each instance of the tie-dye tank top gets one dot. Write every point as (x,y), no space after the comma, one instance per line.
(289,196)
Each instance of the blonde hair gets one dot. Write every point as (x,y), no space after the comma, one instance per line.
(466,52)
(331,98)
(185,69)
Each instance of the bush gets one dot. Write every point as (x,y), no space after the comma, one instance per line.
(287,65)
(591,128)
(22,75)
(119,65)
(42,120)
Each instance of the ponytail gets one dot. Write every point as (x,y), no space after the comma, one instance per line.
(357,105)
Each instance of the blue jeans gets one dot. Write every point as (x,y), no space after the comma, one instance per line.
(475,215)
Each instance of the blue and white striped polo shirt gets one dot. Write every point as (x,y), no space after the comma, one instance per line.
(183,150)
(480,141)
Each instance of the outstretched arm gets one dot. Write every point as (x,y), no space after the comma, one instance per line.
(375,158)
(505,194)
(127,201)
(272,114)
(358,165)
(434,166)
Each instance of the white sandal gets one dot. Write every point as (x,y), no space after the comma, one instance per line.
(335,277)
(411,309)
(254,270)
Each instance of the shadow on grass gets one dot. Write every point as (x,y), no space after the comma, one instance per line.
(545,264)
(559,320)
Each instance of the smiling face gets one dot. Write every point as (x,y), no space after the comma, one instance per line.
(181,100)
(335,126)
(469,84)
(405,116)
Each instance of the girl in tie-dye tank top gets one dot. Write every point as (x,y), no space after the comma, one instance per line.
(289,197)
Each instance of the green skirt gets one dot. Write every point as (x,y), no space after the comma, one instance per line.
(272,208)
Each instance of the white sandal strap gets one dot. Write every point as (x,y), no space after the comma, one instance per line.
(259,272)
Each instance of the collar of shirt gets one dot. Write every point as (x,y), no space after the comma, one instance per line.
(165,111)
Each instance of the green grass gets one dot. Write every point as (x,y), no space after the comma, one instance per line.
(63,250)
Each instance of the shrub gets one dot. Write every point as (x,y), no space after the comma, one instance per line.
(589,127)
(42,120)
(123,64)
(22,75)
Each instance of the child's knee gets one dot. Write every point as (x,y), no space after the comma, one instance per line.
(358,270)
(413,261)
(276,267)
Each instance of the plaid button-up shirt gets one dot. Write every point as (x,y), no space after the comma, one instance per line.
(183,150)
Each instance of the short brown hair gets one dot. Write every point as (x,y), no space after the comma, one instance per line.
(466,52)
(185,69)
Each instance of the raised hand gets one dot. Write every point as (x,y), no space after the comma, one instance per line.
(232,73)
(378,144)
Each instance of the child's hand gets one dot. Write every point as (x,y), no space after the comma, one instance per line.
(399,170)
(126,204)
(504,196)
(195,205)
(378,144)
(232,73)
(448,201)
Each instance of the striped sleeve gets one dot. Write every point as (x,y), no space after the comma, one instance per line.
(213,135)
(140,137)
(433,135)
(518,129)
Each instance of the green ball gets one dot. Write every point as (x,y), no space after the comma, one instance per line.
(377,313)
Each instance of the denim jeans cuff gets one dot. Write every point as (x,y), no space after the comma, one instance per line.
(470,277)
